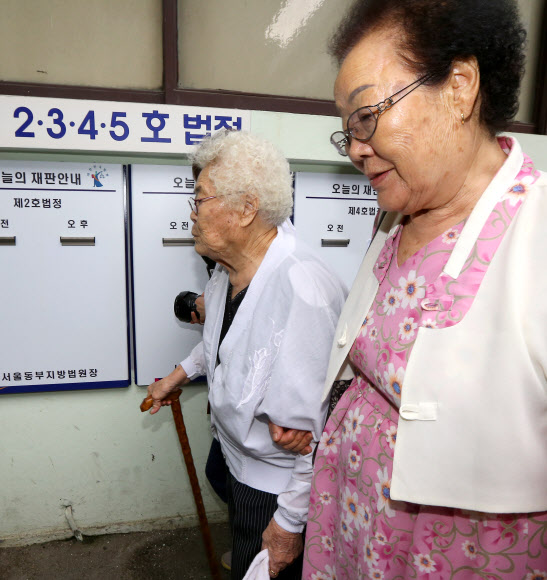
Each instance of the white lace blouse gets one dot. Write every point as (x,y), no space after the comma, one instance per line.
(273,364)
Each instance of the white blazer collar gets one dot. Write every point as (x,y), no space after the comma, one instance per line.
(488,200)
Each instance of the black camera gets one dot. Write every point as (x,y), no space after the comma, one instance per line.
(185,304)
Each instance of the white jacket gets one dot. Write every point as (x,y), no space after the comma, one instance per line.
(472,430)
(273,363)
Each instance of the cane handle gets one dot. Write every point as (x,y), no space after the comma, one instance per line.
(147,403)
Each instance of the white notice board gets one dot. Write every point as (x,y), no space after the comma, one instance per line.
(335,214)
(63,310)
(164,264)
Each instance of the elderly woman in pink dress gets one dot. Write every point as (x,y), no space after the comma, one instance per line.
(433,464)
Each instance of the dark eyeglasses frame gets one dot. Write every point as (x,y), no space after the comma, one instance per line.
(342,139)
(194,203)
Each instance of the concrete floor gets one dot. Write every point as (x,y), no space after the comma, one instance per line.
(168,555)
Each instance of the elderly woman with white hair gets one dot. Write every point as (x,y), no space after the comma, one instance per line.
(272,308)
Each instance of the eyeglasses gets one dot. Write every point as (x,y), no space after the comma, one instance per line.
(362,123)
(194,203)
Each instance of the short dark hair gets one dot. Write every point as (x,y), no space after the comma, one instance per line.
(434,33)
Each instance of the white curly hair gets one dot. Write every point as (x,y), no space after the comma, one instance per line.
(243,163)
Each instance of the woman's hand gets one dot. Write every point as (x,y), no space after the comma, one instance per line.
(291,439)
(283,547)
(163,388)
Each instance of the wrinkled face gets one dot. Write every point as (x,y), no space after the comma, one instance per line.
(410,158)
(215,223)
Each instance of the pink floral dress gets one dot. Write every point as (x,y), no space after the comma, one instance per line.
(354,529)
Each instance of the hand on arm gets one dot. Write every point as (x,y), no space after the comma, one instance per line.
(162,389)
(283,547)
(291,439)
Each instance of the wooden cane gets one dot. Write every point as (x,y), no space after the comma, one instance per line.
(190,468)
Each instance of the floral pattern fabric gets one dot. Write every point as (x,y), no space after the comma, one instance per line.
(355,530)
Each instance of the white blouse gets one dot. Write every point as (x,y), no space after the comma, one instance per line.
(273,364)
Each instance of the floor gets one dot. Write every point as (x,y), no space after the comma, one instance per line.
(167,555)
